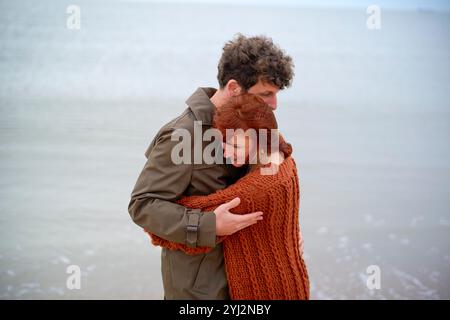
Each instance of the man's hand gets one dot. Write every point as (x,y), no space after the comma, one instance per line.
(228,223)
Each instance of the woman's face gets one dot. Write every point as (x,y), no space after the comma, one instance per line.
(237,149)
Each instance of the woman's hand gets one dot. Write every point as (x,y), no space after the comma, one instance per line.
(300,242)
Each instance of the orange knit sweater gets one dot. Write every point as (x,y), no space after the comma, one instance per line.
(263,261)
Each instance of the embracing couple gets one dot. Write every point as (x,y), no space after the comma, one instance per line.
(228,229)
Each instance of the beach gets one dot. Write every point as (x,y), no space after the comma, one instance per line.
(368,116)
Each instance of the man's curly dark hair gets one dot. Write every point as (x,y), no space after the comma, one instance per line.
(250,59)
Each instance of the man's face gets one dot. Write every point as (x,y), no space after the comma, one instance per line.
(268,92)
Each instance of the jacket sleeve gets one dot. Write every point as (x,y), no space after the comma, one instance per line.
(208,203)
(244,188)
(159,185)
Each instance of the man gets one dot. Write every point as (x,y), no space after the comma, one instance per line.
(248,64)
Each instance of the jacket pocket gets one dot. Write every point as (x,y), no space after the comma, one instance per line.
(182,272)
(202,278)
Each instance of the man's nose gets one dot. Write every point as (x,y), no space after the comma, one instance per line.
(272,102)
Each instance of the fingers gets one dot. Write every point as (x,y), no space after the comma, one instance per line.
(301,246)
(246,224)
(243,226)
(250,216)
(231,204)
(249,219)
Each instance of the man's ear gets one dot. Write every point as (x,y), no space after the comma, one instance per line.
(233,88)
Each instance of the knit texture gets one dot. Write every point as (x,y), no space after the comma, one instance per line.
(263,261)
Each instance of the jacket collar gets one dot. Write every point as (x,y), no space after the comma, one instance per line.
(202,108)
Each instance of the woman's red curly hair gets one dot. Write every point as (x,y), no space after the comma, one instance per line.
(249,111)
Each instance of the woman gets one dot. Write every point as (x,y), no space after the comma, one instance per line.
(263,261)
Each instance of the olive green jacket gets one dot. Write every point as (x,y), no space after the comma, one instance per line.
(152,206)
